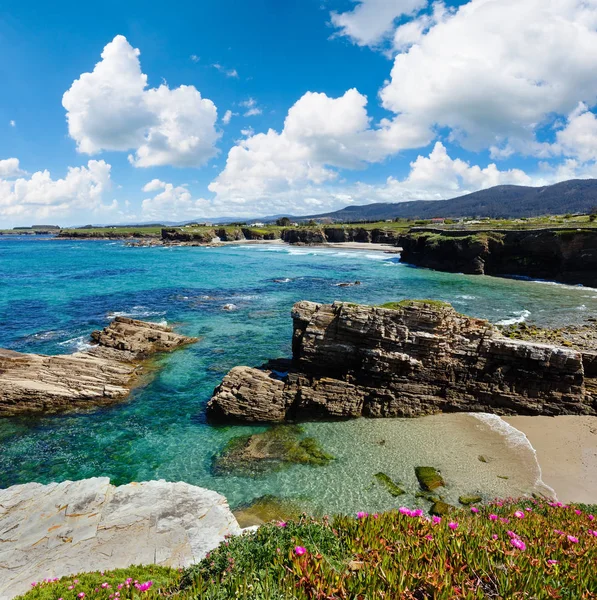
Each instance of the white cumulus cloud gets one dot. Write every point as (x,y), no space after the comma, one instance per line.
(39,196)
(112,108)
(172,202)
(9,167)
(373,20)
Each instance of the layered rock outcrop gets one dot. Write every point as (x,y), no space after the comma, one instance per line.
(61,529)
(409,360)
(568,256)
(103,374)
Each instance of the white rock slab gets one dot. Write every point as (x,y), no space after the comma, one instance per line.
(65,528)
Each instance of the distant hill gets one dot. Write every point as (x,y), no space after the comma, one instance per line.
(500,202)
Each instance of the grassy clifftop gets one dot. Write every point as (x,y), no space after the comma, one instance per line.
(509,549)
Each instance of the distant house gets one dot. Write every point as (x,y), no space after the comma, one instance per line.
(438,221)
(257,224)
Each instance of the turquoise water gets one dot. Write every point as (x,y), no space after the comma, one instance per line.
(54,293)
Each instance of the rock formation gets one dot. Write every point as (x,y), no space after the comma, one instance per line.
(103,374)
(61,529)
(414,358)
(565,255)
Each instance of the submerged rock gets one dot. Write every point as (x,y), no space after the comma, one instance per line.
(273,449)
(394,489)
(468,500)
(440,508)
(265,509)
(429,478)
(103,374)
(65,528)
(407,359)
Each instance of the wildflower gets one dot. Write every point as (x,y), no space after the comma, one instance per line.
(494,536)
(572,539)
(76,581)
(105,584)
(528,509)
(81,595)
(34,584)
(552,562)
(71,587)
(362,515)
(518,543)
(519,514)
(474,509)
(493,517)
(143,587)
(416,513)
(300,550)
(429,537)
(452,525)
(558,531)
(504,520)
(404,511)
(512,534)
(578,512)
(436,520)
(591,517)
(376,516)
(281,523)
(593,532)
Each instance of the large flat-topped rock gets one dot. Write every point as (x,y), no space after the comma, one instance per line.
(65,528)
(101,375)
(410,359)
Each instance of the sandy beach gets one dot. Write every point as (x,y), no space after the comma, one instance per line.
(567,453)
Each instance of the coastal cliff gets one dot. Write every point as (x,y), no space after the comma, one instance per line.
(406,360)
(564,255)
(103,374)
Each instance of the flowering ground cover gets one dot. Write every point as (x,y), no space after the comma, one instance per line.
(511,549)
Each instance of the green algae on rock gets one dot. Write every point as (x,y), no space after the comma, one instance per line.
(429,478)
(394,489)
(273,449)
(440,508)
(468,500)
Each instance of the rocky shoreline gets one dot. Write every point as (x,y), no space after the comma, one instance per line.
(563,255)
(409,359)
(103,374)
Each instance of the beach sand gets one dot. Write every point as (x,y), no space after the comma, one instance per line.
(566,449)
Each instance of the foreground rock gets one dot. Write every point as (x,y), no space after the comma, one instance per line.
(566,255)
(61,529)
(414,358)
(101,375)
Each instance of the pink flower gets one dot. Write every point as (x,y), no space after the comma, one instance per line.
(81,595)
(416,513)
(281,523)
(494,537)
(452,525)
(578,512)
(299,550)
(572,539)
(436,520)
(591,517)
(143,587)
(474,509)
(558,532)
(71,587)
(429,537)
(34,584)
(552,562)
(376,516)
(504,520)
(519,514)
(528,509)
(518,544)
(512,534)
(593,532)
(105,585)
(404,511)
(493,517)
(362,515)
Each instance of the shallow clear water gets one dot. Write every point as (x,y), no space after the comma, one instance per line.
(53,293)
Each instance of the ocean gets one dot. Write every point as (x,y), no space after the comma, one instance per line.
(53,293)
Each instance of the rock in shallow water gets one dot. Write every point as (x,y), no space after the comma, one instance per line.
(409,359)
(101,375)
(65,528)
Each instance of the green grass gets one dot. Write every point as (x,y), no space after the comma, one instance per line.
(415,304)
(112,232)
(399,554)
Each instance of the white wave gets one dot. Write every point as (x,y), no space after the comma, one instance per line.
(136,312)
(520,317)
(581,307)
(79,344)
(515,438)
(566,286)
(467,297)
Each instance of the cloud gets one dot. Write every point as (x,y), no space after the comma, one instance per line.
(371,21)
(39,196)
(12,123)
(9,167)
(228,116)
(172,202)
(495,71)
(227,72)
(579,136)
(320,135)
(194,58)
(111,108)
(253,109)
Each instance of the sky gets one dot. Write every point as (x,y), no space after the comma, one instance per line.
(129,112)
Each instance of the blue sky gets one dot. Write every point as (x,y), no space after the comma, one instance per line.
(364,101)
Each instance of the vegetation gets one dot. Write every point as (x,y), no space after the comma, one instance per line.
(393,488)
(510,549)
(416,304)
